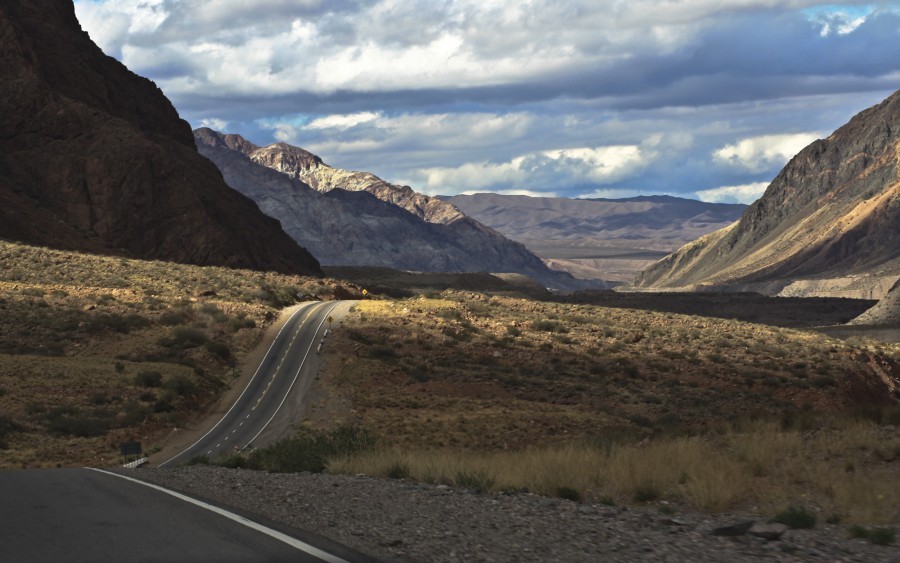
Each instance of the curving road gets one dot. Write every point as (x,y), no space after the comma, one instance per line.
(85,515)
(271,386)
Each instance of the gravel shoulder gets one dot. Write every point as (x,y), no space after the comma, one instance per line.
(402,521)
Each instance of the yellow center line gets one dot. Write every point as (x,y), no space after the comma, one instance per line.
(284,357)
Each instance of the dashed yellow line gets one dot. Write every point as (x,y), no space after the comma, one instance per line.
(284,357)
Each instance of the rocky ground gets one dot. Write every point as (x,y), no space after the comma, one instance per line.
(401,521)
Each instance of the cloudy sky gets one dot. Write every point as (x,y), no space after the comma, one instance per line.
(576,98)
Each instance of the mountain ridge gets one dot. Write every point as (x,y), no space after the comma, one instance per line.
(832,212)
(95,158)
(300,164)
(355,227)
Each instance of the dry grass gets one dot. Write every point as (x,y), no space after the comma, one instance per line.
(494,392)
(713,472)
(481,372)
(76,330)
(621,404)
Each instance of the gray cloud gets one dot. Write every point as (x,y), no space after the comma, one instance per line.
(681,80)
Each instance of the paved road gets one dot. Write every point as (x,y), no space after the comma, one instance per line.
(269,388)
(75,515)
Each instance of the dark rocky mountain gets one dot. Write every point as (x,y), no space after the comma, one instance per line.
(611,238)
(95,158)
(353,227)
(828,224)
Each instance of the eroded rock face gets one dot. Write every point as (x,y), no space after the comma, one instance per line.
(95,158)
(309,169)
(885,313)
(832,212)
(348,225)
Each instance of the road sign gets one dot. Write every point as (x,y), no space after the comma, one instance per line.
(131,448)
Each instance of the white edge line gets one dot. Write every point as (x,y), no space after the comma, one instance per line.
(286,323)
(293,542)
(303,361)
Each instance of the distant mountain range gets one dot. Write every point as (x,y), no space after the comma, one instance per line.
(828,224)
(610,238)
(95,158)
(356,219)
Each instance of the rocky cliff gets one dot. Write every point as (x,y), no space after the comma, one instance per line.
(885,313)
(353,227)
(309,168)
(832,213)
(95,158)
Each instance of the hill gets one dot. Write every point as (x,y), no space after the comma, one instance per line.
(95,158)
(827,224)
(357,219)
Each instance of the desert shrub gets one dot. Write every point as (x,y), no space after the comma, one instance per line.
(117,323)
(279,297)
(213,311)
(148,379)
(796,517)
(310,450)
(478,480)
(646,492)
(550,326)
(398,471)
(185,337)
(241,321)
(382,353)
(878,536)
(164,403)
(7,427)
(449,314)
(823,381)
(568,493)
(120,367)
(177,316)
(69,421)
(99,398)
(361,337)
(181,385)
(513,331)
(219,349)
(479,309)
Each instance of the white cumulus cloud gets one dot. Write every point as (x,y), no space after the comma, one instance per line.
(546,170)
(745,193)
(758,154)
(215,124)
(345,121)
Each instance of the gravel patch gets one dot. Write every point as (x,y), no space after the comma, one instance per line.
(402,521)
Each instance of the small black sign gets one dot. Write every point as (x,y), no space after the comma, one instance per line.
(131,448)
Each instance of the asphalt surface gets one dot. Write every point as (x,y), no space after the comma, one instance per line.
(84,515)
(270,387)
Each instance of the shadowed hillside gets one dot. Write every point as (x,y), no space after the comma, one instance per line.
(831,214)
(95,158)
